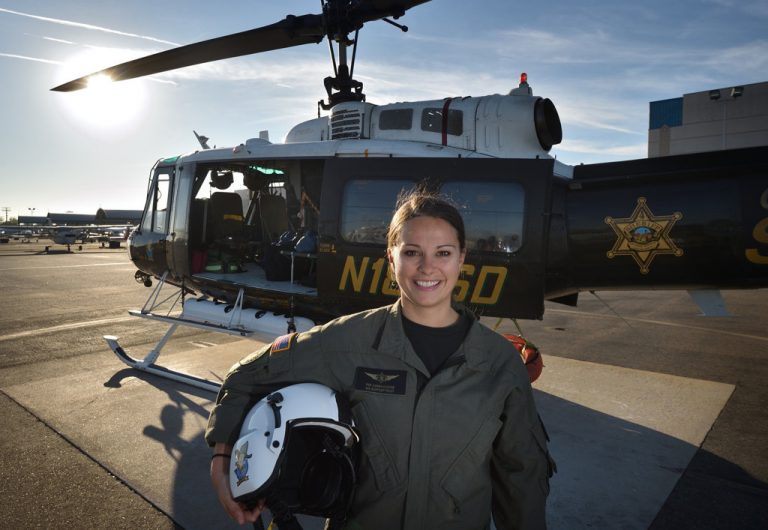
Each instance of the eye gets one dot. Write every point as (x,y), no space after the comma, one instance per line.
(410,253)
(443,253)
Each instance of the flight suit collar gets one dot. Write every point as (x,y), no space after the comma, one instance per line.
(391,340)
(473,348)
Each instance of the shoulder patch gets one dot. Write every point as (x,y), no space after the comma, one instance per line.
(283,343)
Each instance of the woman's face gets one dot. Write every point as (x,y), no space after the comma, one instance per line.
(426,263)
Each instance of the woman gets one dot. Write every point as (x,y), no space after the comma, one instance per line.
(448,425)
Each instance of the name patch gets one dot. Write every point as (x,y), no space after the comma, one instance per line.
(380,381)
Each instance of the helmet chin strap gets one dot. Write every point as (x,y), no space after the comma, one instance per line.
(283,516)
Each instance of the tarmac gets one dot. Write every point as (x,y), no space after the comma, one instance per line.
(656,415)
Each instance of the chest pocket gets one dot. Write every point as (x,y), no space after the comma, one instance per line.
(468,480)
(382,466)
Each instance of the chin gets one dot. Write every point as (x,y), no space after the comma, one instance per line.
(423,302)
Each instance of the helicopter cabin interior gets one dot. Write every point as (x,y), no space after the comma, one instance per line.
(257,220)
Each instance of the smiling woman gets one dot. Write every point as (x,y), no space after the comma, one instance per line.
(104,104)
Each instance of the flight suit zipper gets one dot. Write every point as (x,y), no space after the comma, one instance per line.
(421,383)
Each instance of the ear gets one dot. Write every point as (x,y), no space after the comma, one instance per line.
(462,256)
(391,260)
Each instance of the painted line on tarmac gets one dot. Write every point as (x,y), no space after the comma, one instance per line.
(659,323)
(71,266)
(64,327)
(202,344)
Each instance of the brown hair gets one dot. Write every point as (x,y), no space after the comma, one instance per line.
(423,203)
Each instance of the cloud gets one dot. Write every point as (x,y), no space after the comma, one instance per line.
(86,26)
(292,73)
(750,7)
(638,150)
(751,56)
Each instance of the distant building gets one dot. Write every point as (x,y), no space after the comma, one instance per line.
(71,219)
(33,220)
(118,217)
(712,120)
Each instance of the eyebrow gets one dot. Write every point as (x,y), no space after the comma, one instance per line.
(450,245)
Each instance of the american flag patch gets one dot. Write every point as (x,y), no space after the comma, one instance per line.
(282,343)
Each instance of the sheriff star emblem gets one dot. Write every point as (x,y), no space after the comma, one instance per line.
(643,236)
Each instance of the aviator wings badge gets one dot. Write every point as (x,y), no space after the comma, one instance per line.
(643,236)
(382,377)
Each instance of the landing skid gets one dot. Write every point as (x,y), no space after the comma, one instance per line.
(148,363)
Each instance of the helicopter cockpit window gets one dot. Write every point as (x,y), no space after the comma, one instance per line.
(156,217)
(367,208)
(493,214)
(396,119)
(432,121)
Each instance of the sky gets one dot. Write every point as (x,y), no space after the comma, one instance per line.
(600,61)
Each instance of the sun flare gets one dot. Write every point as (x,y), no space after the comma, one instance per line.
(103,104)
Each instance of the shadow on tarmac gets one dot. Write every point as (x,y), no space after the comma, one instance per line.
(612,473)
(714,493)
(192,498)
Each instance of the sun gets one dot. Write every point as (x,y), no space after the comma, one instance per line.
(103,105)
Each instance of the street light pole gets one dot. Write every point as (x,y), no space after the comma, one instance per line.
(714,96)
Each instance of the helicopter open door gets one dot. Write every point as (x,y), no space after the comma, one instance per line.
(505,207)
(150,245)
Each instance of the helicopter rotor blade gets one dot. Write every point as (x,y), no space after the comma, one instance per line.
(338,19)
(291,31)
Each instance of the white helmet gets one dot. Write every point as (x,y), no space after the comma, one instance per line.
(298,450)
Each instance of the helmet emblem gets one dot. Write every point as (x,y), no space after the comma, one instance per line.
(241,463)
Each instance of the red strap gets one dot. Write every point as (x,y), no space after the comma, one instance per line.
(446,104)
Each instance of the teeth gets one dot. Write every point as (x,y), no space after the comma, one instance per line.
(422,283)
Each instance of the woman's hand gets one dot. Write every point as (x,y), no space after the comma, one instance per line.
(220,481)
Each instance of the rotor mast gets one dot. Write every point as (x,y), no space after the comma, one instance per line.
(339,23)
(341,86)
(342,17)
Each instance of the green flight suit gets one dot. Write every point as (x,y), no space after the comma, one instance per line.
(440,452)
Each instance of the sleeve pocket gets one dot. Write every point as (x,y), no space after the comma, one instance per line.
(541,442)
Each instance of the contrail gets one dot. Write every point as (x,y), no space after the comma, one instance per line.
(12,56)
(58,40)
(86,26)
(48,61)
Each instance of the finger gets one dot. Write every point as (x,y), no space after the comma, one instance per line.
(233,509)
(253,514)
(235,512)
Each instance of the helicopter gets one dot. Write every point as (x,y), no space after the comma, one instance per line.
(272,238)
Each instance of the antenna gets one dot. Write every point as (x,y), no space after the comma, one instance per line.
(202,139)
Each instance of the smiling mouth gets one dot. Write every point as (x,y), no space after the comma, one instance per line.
(427,284)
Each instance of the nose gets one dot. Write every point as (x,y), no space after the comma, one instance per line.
(426,264)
